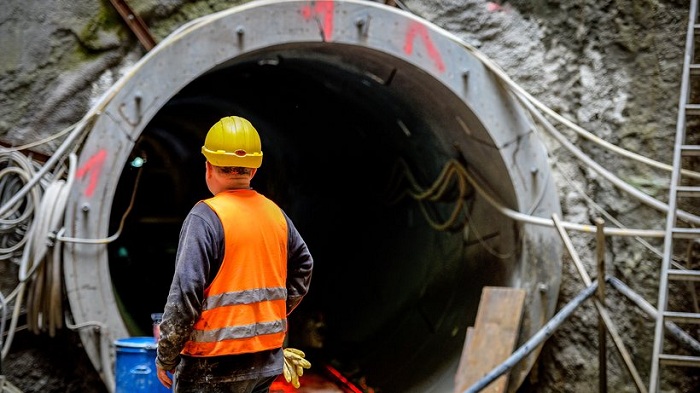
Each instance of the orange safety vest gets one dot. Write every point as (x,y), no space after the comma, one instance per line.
(244,308)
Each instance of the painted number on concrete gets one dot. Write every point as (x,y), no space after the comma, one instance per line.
(322,12)
(93,166)
(419,30)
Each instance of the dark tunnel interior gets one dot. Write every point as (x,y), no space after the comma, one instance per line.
(391,297)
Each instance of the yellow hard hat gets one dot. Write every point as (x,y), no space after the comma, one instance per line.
(233,141)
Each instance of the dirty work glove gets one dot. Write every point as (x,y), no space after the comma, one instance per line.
(294,365)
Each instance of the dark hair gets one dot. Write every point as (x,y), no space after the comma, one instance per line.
(235,170)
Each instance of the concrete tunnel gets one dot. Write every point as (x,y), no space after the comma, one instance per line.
(341,92)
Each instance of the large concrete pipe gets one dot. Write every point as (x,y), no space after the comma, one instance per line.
(341,91)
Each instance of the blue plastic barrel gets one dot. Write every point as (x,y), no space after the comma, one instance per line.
(135,369)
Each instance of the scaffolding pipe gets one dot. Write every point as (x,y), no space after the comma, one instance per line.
(538,338)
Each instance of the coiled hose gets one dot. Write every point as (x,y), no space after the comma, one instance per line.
(40,274)
(33,198)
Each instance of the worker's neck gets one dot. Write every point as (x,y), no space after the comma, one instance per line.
(238,184)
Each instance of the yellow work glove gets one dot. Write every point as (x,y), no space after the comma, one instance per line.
(294,365)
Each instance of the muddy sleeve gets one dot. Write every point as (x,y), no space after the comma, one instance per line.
(299,267)
(199,247)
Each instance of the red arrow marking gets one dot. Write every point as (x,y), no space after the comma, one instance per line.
(420,30)
(94,167)
(324,9)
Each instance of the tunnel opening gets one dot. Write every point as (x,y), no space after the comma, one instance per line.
(391,296)
(378,104)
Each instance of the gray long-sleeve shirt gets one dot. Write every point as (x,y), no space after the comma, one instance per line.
(199,256)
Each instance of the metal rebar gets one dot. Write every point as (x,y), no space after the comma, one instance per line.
(135,23)
(602,336)
(619,344)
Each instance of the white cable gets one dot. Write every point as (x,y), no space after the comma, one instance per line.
(53,160)
(615,221)
(13,321)
(515,215)
(102,332)
(579,130)
(47,218)
(59,235)
(46,302)
(7,387)
(38,245)
(39,142)
(639,195)
(17,171)
(3,303)
(17,168)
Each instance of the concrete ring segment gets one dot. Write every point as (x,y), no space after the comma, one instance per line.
(437,99)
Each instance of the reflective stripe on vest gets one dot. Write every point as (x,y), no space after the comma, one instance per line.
(244,307)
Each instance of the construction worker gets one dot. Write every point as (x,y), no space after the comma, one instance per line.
(240,270)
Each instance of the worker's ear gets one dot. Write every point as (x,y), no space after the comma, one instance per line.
(253,172)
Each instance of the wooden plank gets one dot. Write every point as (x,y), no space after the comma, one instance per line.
(461,369)
(494,336)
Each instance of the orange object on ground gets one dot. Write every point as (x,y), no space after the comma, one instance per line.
(331,381)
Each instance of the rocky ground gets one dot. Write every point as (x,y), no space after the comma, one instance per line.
(612,67)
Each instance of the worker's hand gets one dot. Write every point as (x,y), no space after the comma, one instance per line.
(164,378)
(294,365)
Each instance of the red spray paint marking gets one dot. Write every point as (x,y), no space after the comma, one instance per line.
(94,167)
(324,9)
(493,7)
(420,30)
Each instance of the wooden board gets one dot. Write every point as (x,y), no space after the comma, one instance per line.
(493,338)
(461,369)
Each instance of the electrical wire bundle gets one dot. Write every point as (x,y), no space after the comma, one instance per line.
(450,186)
(32,203)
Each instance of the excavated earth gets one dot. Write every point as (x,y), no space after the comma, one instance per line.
(612,67)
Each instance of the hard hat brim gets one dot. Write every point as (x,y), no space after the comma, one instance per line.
(220,158)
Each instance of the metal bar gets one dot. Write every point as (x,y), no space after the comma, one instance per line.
(679,360)
(681,335)
(135,23)
(684,233)
(688,191)
(602,337)
(695,69)
(538,338)
(690,150)
(684,317)
(692,109)
(687,275)
(619,344)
